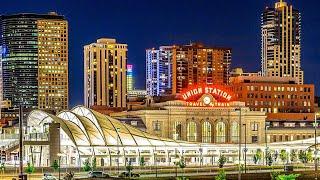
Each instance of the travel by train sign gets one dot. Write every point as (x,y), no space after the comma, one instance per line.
(202,96)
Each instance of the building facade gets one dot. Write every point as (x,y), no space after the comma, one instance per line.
(206,114)
(129,77)
(35,60)
(105,75)
(197,64)
(159,71)
(273,94)
(281,42)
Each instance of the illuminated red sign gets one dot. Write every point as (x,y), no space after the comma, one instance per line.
(207,96)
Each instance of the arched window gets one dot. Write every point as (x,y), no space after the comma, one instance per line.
(177,129)
(192,131)
(235,132)
(206,132)
(221,132)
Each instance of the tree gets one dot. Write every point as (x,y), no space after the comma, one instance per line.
(293,156)
(269,158)
(181,164)
(94,163)
(257,157)
(30,168)
(283,155)
(302,157)
(129,168)
(55,165)
(309,155)
(222,160)
(142,161)
(86,165)
(221,175)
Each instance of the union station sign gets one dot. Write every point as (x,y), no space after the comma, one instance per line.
(204,96)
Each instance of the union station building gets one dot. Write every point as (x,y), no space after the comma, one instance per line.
(207,114)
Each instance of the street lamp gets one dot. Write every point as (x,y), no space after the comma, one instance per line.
(155,161)
(266,141)
(239,153)
(315,124)
(60,155)
(118,153)
(245,149)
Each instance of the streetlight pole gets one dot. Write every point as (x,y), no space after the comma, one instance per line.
(118,153)
(315,146)
(266,142)
(239,153)
(21,175)
(245,149)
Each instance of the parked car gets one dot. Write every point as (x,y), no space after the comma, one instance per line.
(126,174)
(97,174)
(48,176)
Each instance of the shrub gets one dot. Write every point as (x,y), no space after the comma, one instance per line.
(221,175)
(55,165)
(222,160)
(86,165)
(287,177)
(283,155)
(30,168)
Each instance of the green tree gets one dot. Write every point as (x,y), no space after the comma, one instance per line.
(221,175)
(302,156)
(30,168)
(287,177)
(269,158)
(2,167)
(94,163)
(55,165)
(142,161)
(257,157)
(283,155)
(293,156)
(129,168)
(87,165)
(309,155)
(222,160)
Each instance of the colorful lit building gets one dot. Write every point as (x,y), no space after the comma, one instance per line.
(129,77)
(35,60)
(281,42)
(105,74)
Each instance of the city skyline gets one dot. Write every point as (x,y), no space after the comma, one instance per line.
(244,41)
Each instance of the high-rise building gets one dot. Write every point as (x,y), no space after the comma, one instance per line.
(35,60)
(281,39)
(105,78)
(158,71)
(197,64)
(129,77)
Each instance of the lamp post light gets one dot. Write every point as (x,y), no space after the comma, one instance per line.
(155,161)
(315,124)
(60,155)
(245,149)
(266,142)
(118,152)
(239,152)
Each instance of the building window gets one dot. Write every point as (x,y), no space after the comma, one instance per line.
(221,132)
(177,128)
(254,139)
(156,126)
(192,131)
(134,123)
(254,126)
(235,132)
(206,132)
(289,124)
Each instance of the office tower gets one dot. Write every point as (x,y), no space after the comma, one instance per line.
(196,64)
(129,77)
(158,71)
(280,39)
(105,78)
(35,60)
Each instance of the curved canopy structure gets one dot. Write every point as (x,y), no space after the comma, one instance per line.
(86,127)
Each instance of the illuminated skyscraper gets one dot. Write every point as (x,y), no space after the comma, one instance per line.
(105,78)
(129,77)
(281,39)
(35,60)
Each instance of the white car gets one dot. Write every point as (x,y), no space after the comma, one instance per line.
(48,176)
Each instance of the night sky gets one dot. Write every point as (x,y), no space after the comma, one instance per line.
(150,23)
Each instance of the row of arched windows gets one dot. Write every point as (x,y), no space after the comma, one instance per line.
(206,132)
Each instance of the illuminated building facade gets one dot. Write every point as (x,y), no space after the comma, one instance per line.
(159,71)
(105,74)
(198,64)
(281,42)
(35,60)
(129,77)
